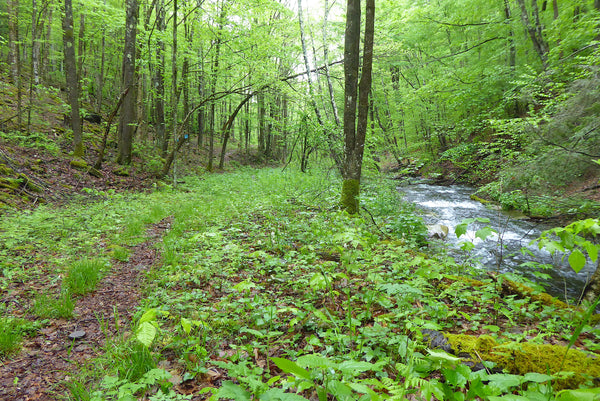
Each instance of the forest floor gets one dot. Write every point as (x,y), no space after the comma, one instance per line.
(250,285)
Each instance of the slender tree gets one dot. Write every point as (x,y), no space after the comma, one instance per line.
(355,127)
(71,78)
(127,120)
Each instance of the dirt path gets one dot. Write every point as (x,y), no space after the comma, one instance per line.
(49,359)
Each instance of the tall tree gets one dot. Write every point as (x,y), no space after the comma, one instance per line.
(127,120)
(14,54)
(71,78)
(355,127)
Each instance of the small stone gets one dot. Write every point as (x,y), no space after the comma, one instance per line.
(76,335)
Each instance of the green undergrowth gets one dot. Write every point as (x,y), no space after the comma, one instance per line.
(266,290)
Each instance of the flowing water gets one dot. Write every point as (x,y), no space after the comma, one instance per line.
(449,205)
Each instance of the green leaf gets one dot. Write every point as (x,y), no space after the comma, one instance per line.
(339,390)
(148,316)
(577,260)
(484,232)
(443,358)
(186,325)
(457,377)
(505,382)
(316,361)
(291,367)
(592,250)
(537,377)
(231,391)
(590,394)
(277,394)
(146,333)
(354,368)
(461,229)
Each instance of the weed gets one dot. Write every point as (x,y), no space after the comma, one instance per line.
(45,306)
(11,336)
(83,276)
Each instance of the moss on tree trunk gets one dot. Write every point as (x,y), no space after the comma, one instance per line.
(349,200)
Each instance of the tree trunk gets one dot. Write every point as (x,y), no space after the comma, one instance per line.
(174,91)
(326,63)
(46,43)
(127,120)
(14,56)
(535,31)
(227,128)
(355,132)
(100,77)
(71,78)
(592,290)
(81,50)
(159,80)
(512,51)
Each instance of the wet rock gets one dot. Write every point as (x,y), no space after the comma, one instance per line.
(437,340)
(437,231)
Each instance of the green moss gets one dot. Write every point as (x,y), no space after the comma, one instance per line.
(122,171)
(522,358)
(524,291)
(349,201)
(480,200)
(29,184)
(10,183)
(5,170)
(79,164)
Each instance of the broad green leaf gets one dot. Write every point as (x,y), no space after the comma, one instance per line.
(231,391)
(291,367)
(577,260)
(186,325)
(146,333)
(504,381)
(354,368)
(458,376)
(537,377)
(315,361)
(484,232)
(509,397)
(148,316)
(592,250)
(443,358)
(277,394)
(461,229)
(254,332)
(590,394)
(339,390)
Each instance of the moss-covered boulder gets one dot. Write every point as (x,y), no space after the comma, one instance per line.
(522,358)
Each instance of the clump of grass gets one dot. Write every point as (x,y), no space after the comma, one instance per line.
(83,276)
(48,307)
(119,253)
(11,335)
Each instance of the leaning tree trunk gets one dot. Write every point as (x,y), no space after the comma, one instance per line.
(355,132)
(535,31)
(71,78)
(128,113)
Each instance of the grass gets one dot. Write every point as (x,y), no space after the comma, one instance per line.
(83,276)
(10,336)
(48,307)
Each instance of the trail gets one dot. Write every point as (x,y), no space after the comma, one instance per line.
(50,359)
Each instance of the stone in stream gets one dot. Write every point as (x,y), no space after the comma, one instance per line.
(437,231)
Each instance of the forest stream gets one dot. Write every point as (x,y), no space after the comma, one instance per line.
(449,205)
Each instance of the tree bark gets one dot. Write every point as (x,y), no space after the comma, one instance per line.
(355,132)
(535,31)
(326,63)
(71,78)
(100,77)
(159,80)
(127,120)
(15,53)
(227,128)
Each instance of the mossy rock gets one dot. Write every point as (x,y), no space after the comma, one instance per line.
(510,287)
(522,358)
(122,171)
(94,172)
(79,164)
(480,200)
